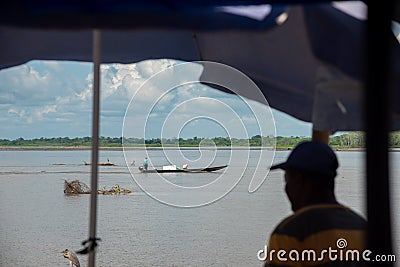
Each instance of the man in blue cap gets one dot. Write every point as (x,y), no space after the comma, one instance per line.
(320,232)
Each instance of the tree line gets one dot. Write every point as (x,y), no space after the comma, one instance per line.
(346,140)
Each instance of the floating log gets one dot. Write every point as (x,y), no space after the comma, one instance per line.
(101,163)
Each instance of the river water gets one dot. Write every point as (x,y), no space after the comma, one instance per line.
(38,220)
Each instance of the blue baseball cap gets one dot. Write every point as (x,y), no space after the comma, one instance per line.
(312,157)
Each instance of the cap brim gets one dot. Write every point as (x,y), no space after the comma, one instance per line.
(282,166)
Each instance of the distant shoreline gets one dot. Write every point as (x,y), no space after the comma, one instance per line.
(68,148)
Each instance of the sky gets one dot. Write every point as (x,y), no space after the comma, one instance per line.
(54,99)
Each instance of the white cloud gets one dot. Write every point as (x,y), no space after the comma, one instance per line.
(63,120)
(249,119)
(24,84)
(32,115)
(56,97)
(43,111)
(18,113)
(55,65)
(86,94)
(38,93)
(289,126)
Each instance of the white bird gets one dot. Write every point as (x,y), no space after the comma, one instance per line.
(73,259)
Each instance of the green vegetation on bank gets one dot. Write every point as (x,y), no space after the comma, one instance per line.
(347,140)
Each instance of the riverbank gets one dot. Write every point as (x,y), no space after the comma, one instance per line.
(61,148)
(55,148)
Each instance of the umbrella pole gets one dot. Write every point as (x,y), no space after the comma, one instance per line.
(377,111)
(95,143)
(322,136)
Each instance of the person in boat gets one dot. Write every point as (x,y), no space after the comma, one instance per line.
(145,163)
(319,221)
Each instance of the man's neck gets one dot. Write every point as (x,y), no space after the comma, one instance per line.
(319,198)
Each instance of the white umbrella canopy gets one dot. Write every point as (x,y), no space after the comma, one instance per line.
(307,60)
(310,67)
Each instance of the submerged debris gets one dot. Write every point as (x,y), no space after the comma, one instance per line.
(115,190)
(75,187)
(78,187)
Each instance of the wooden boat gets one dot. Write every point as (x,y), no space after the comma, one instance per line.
(101,163)
(208,169)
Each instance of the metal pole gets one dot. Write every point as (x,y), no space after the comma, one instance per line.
(377,110)
(95,141)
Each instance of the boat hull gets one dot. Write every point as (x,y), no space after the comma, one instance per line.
(209,169)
